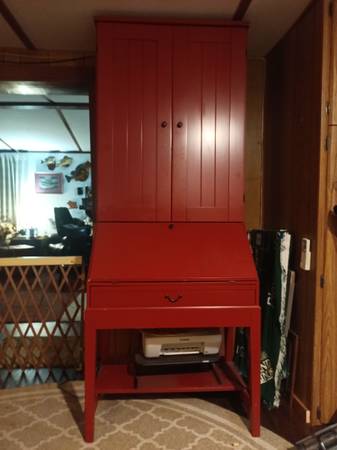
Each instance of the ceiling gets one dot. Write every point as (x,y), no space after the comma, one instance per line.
(44,124)
(64,25)
(61,123)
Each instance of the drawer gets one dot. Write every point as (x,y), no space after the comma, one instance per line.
(172,294)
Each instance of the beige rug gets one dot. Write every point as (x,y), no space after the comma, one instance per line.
(47,417)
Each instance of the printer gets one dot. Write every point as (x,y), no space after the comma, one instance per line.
(163,342)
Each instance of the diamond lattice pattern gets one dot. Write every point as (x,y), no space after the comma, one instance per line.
(41,311)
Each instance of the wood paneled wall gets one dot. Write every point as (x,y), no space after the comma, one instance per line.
(328,360)
(254,142)
(292,148)
(61,71)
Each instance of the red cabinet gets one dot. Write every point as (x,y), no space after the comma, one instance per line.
(165,265)
(170,129)
(170,122)
(160,275)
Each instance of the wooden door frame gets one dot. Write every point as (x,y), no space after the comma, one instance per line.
(319,413)
(324,404)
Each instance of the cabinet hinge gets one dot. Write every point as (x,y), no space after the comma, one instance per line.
(318,413)
(327,143)
(327,108)
(322,281)
(331,8)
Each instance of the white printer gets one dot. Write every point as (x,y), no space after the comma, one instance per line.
(158,343)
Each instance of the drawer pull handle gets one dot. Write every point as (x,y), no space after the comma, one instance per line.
(173,299)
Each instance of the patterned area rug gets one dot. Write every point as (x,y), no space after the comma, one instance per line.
(48,417)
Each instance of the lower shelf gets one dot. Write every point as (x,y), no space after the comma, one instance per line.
(116,379)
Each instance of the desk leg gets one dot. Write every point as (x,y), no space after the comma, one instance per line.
(90,380)
(230,342)
(254,375)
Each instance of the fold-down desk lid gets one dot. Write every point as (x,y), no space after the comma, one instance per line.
(156,252)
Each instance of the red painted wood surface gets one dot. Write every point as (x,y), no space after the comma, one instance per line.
(202,103)
(114,379)
(133,154)
(117,379)
(156,252)
(209,101)
(110,295)
(188,169)
(237,125)
(128,317)
(170,137)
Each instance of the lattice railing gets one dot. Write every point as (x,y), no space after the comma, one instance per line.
(41,311)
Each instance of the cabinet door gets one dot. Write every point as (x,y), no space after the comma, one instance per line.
(133,123)
(208,124)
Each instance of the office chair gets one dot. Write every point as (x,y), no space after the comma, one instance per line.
(74,235)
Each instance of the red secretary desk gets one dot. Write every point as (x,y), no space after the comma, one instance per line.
(170,249)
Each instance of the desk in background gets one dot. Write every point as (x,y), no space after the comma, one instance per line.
(17,250)
(21,246)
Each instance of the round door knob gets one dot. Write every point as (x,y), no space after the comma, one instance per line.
(179,124)
(163,124)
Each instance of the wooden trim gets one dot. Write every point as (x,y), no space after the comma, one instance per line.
(49,151)
(333,71)
(41,261)
(68,128)
(10,148)
(15,26)
(53,79)
(65,123)
(325,27)
(172,21)
(41,105)
(242,9)
(328,379)
(57,72)
(293,354)
(55,58)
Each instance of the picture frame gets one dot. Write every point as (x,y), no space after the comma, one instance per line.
(49,183)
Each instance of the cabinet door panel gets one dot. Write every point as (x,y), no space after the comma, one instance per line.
(133,99)
(203,159)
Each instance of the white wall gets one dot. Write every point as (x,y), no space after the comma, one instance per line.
(36,210)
